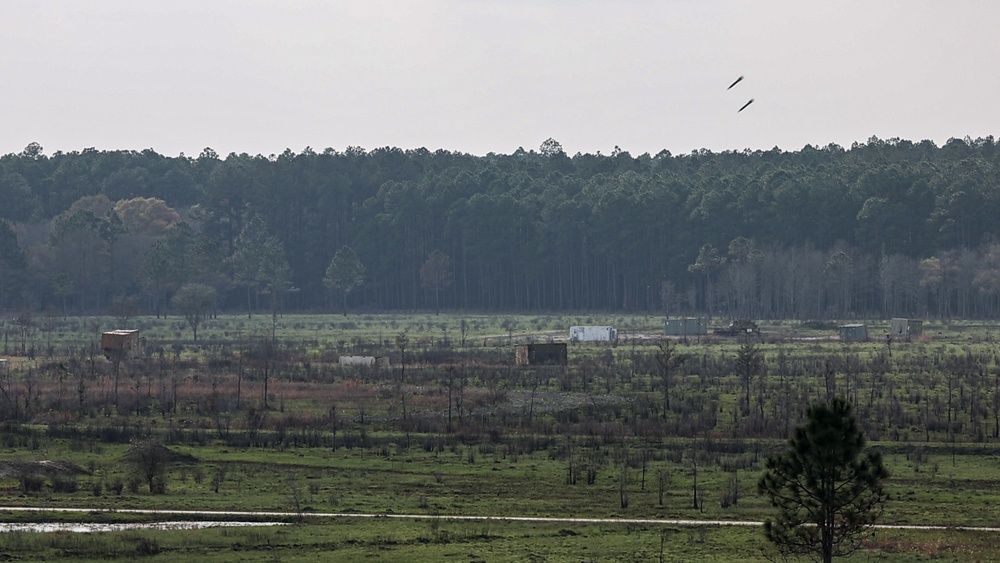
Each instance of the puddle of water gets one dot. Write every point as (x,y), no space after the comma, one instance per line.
(87,527)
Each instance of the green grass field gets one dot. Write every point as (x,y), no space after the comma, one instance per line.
(461,430)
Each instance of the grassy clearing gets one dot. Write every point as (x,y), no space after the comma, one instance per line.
(461,430)
(478,481)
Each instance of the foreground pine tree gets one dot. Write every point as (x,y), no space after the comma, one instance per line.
(827,487)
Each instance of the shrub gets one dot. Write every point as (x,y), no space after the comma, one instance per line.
(158,485)
(146,546)
(64,484)
(32,484)
(134,483)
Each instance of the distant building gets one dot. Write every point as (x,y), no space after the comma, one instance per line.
(553,354)
(122,344)
(592,334)
(366,361)
(686,326)
(854,333)
(905,328)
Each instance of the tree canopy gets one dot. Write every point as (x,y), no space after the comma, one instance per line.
(827,487)
(345,273)
(194,301)
(436,276)
(884,227)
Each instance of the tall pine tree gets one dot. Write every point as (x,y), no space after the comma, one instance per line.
(827,487)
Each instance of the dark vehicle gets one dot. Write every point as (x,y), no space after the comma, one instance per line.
(738,327)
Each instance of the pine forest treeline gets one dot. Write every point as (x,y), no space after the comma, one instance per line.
(884,228)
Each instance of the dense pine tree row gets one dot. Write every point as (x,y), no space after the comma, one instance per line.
(883,228)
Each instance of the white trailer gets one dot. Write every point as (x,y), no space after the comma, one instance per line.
(366,361)
(592,334)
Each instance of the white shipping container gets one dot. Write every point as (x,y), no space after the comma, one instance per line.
(381,361)
(592,334)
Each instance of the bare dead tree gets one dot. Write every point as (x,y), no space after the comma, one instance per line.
(662,481)
(149,460)
(668,359)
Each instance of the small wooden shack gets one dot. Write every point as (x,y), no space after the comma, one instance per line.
(905,328)
(854,333)
(366,361)
(553,354)
(122,343)
(686,326)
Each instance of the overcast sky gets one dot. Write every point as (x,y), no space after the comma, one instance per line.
(482,76)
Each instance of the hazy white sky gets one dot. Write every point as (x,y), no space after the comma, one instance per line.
(483,76)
